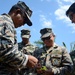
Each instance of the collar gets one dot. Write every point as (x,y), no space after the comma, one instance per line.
(49,49)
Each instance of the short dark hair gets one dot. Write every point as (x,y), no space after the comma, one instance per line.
(71,9)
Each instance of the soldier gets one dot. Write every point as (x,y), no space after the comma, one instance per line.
(11,58)
(71,14)
(53,59)
(27,48)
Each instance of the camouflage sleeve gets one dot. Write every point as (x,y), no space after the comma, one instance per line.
(66,66)
(36,53)
(8,48)
(34,48)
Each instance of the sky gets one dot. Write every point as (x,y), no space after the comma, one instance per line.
(49,14)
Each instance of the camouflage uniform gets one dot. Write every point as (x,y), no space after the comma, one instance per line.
(10,57)
(26,49)
(72,54)
(56,58)
(53,56)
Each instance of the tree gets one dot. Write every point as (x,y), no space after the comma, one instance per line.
(72,44)
(39,43)
(64,44)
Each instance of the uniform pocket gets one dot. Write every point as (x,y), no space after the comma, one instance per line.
(56,60)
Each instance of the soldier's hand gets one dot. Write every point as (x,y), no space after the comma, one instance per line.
(38,66)
(47,72)
(32,61)
(39,71)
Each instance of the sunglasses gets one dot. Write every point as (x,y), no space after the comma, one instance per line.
(47,38)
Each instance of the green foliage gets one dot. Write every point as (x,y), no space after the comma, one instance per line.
(43,68)
(64,44)
(72,45)
(39,43)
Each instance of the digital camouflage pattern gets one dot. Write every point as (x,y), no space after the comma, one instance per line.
(57,58)
(10,58)
(26,49)
(72,54)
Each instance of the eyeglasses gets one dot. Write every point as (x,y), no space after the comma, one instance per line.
(47,38)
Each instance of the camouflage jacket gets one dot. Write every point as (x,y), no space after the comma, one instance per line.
(57,58)
(26,49)
(10,57)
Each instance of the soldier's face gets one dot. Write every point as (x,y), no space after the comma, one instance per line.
(25,40)
(50,41)
(18,19)
(71,15)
